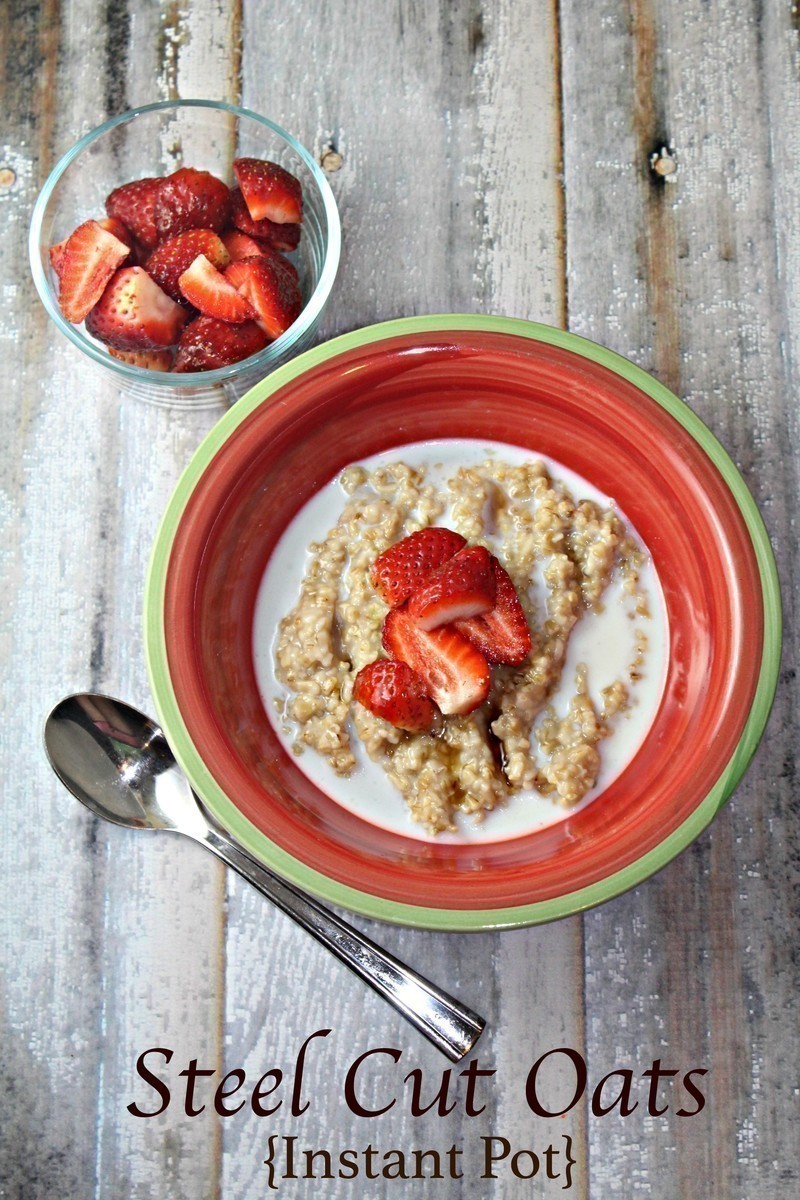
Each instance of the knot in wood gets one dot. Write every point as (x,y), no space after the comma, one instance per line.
(664,163)
(331,160)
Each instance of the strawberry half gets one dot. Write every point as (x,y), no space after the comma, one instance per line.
(209,291)
(271,286)
(270,191)
(174,256)
(401,569)
(240,245)
(133,205)
(89,258)
(462,587)
(454,672)
(502,634)
(151,360)
(391,690)
(278,237)
(111,225)
(190,199)
(115,226)
(207,343)
(134,314)
(56,254)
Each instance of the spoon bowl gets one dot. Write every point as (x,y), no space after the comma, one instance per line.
(116,761)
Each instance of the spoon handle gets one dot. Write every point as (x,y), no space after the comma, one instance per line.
(451,1026)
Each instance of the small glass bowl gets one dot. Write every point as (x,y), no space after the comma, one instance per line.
(156,140)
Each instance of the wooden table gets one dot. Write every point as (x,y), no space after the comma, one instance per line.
(494,158)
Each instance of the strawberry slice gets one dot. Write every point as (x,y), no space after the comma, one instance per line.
(239,272)
(271,286)
(57,256)
(393,691)
(401,569)
(277,236)
(174,256)
(190,199)
(121,231)
(240,245)
(111,225)
(209,291)
(454,672)
(90,257)
(134,314)
(502,634)
(207,343)
(462,587)
(270,191)
(133,205)
(151,360)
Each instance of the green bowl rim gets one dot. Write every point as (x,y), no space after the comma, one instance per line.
(422,916)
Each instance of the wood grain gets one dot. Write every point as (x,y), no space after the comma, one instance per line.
(115,965)
(452,183)
(491,158)
(692,294)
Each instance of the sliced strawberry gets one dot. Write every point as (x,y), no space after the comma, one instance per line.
(111,225)
(121,231)
(209,291)
(502,634)
(278,237)
(455,674)
(57,256)
(174,256)
(269,190)
(271,286)
(207,343)
(90,257)
(151,360)
(190,199)
(393,691)
(133,204)
(134,314)
(401,569)
(462,587)
(240,245)
(239,272)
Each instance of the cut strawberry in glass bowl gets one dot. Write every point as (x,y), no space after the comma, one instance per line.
(167,171)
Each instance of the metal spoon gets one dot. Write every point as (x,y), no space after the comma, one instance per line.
(116,761)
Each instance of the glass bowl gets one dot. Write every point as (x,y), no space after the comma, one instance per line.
(156,140)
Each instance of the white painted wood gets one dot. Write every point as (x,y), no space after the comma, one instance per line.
(165,915)
(125,942)
(449,222)
(449,121)
(693,967)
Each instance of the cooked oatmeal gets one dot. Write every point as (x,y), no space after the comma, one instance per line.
(562,554)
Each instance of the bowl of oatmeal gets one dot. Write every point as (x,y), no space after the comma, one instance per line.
(517,737)
(528,782)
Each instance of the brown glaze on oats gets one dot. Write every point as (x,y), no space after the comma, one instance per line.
(561,554)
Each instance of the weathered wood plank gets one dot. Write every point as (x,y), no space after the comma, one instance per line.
(685,968)
(166,903)
(443,192)
(50,894)
(448,120)
(124,936)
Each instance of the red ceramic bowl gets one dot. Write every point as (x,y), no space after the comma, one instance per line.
(476,377)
